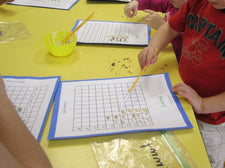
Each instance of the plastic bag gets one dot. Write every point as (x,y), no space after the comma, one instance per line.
(143,150)
(13,31)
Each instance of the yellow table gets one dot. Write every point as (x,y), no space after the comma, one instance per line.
(30,58)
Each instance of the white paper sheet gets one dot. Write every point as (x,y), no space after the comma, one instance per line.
(32,98)
(107,32)
(56,4)
(91,108)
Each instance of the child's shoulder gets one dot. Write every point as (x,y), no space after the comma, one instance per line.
(168,6)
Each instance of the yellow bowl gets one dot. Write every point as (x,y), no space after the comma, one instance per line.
(53,43)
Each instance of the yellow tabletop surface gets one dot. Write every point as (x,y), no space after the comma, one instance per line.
(29,57)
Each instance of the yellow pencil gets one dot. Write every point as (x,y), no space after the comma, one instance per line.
(132,87)
(78,27)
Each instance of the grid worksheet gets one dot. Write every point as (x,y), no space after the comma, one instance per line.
(56,4)
(96,107)
(32,98)
(92,107)
(109,32)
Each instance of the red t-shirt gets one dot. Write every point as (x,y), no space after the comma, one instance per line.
(202,63)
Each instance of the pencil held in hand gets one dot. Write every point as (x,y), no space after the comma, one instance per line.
(132,87)
(141,73)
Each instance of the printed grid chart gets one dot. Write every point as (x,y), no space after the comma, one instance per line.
(109,32)
(57,4)
(96,107)
(84,108)
(32,98)
(27,101)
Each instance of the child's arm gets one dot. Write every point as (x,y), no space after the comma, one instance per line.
(201,105)
(16,138)
(7,160)
(161,38)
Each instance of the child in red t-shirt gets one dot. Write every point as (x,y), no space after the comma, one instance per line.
(201,66)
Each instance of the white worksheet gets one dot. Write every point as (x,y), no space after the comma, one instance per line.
(109,32)
(92,107)
(56,4)
(32,98)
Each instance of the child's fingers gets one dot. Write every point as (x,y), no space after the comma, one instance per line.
(149,11)
(146,57)
(129,12)
(184,90)
(150,58)
(130,9)
(134,13)
(142,58)
(179,87)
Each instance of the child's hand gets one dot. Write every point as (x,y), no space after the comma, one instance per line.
(146,57)
(4,1)
(153,19)
(131,8)
(190,95)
